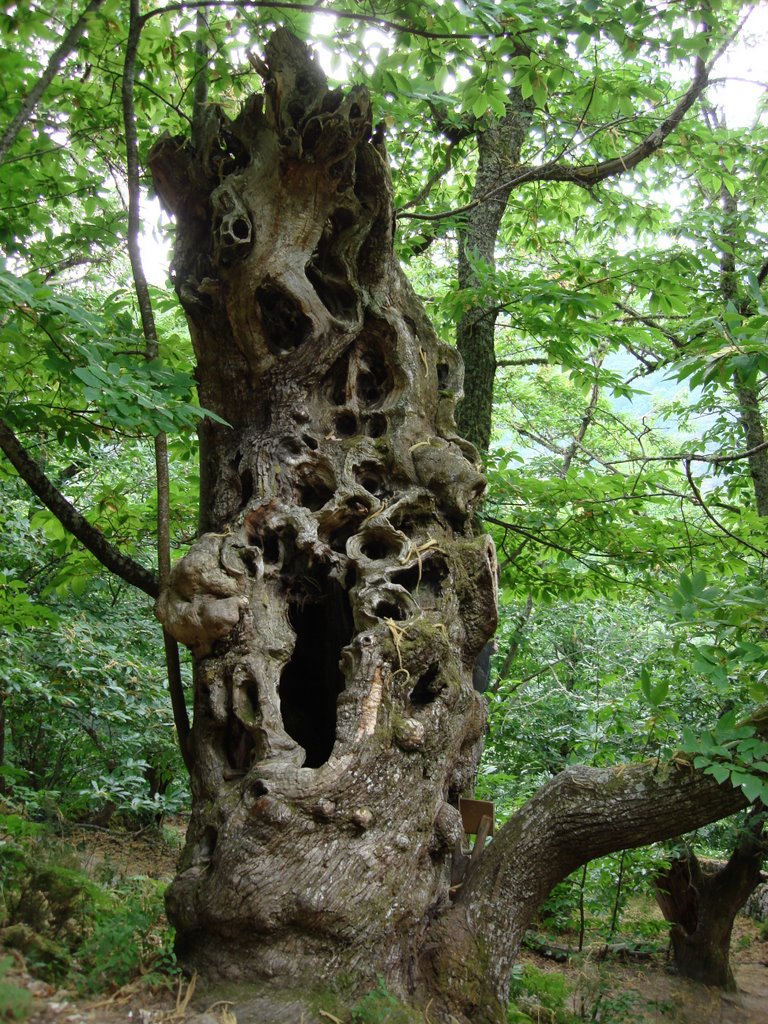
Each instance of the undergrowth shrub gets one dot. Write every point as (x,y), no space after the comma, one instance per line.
(68,926)
(538,996)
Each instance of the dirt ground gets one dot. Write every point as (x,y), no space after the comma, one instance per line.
(649,993)
(601,991)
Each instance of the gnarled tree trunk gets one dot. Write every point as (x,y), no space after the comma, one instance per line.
(702,904)
(337,598)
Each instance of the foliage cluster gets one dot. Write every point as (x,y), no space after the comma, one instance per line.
(67,925)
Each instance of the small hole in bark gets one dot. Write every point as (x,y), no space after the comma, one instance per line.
(268,543)
(295,111)
(331,100)
(310,442)
(337,382)
(389,610)
(427,688)
(288,446)
(312,680)
(313,496)
(430,575)
(380,544)
(371,476)
(238,744)
(350,577)
(337,297)
(246,487)
(346,424)
(443,375)
(359,506)
(241,229)
(368,388)
(285,326)
(376,425)
(311,134)
(207,844)
(338,525)
(338,539)
(342,219)
(354,111)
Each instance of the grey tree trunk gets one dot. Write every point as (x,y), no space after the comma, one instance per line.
(702,905)
(498,152)
(336,599)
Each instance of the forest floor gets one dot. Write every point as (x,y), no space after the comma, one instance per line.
(594,988)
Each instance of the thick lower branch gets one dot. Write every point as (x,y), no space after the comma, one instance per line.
(583,813)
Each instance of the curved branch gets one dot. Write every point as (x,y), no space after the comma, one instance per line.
(57,58)
(72,520)
(589,175)
(580,814)
(320,8)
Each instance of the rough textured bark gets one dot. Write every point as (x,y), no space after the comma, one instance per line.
(336,600)
(581,814)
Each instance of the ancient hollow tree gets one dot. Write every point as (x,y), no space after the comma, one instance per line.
(337,597)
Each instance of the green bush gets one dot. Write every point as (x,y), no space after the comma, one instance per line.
(540,996)
(381,1007)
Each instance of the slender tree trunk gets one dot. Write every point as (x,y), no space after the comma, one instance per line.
(750,415)
(498,151)
(701,904)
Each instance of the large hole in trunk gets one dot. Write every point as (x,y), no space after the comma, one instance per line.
(312,680)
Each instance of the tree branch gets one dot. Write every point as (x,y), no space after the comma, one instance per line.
(72,520)
(712,518)
(589,175)
(320,8)
(581,814)
(57,58)
(175,685)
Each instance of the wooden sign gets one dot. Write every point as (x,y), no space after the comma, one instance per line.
(473,811)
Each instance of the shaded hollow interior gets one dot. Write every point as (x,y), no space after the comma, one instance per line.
(321,616)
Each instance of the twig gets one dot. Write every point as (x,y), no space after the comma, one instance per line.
(705,509)
(57,58)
